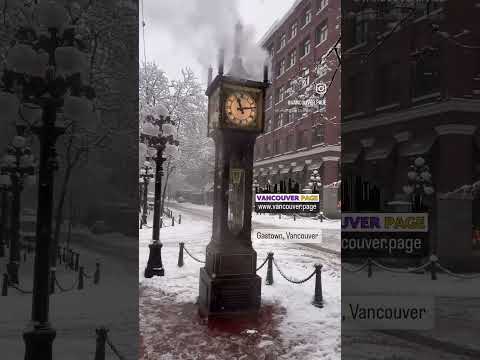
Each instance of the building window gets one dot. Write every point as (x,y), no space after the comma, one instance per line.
(319,134)
(277,146)
(281,93)
(322,4)
(321,33)
(282,66)
(301,139)
(268,150)
(426,75)
(283,41)
(360,29)
(268,124)
(281,119)
(305,77)
(292,58)
(293,30)
(354,98)
(305,49)
(308,17)
(322,70)
(290,142)
(387,84)
(271,50)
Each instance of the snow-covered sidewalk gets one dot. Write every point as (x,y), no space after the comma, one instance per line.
(304,331)
(76,314)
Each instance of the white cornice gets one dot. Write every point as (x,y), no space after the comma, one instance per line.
(455,129)
(368,142)
(330,158)
(385,119)
(402,136)
(291,157)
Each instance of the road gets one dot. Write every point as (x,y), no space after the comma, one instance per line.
(204,213)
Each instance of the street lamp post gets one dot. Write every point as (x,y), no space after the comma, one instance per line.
(315,181)
(419,183)
(315,184)
(145,176)
(45,72)
(5,184)
(17,164)
(159,134)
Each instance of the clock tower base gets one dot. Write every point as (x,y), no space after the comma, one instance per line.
(228,296)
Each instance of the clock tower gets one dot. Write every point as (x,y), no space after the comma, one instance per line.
(229,284)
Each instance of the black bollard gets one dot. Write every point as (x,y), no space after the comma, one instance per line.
(180,254)
(321,216)
(80,278)
(70,259)
(179,219)
(269,278)
(173,221)
(154,264)
(5,285)
(318,297)
(101,340)
(24,256)
(52,280)
(369,267)
(96,275)
(433,267)
(77,261)
(294,217)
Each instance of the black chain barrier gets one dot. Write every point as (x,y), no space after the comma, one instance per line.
(65,289)
(432,264)
(317,298)
(19,289)
(292,280)
(263,264)
(193,257)
(114,349)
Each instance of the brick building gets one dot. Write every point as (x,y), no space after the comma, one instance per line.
(299,140)
(413,91)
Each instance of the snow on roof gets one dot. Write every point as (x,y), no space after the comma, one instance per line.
(464,192)
(335,184)
(279,22)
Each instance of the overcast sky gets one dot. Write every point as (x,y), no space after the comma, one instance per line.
(182,33)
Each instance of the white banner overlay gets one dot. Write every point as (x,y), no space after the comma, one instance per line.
(388,312)
(276,236)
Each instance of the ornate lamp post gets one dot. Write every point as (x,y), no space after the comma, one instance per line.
(5,187)
(159,134)
(145,176)
(315,181)
(419,183)
(18,164)
(45,71)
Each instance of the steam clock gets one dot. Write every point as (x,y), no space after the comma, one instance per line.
(228,282)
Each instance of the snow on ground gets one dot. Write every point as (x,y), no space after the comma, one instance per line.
(456,310)
(328,230)
(76,314)
(311,333)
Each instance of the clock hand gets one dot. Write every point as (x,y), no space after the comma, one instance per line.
(239,104)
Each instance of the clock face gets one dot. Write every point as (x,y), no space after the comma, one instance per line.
(241,109)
